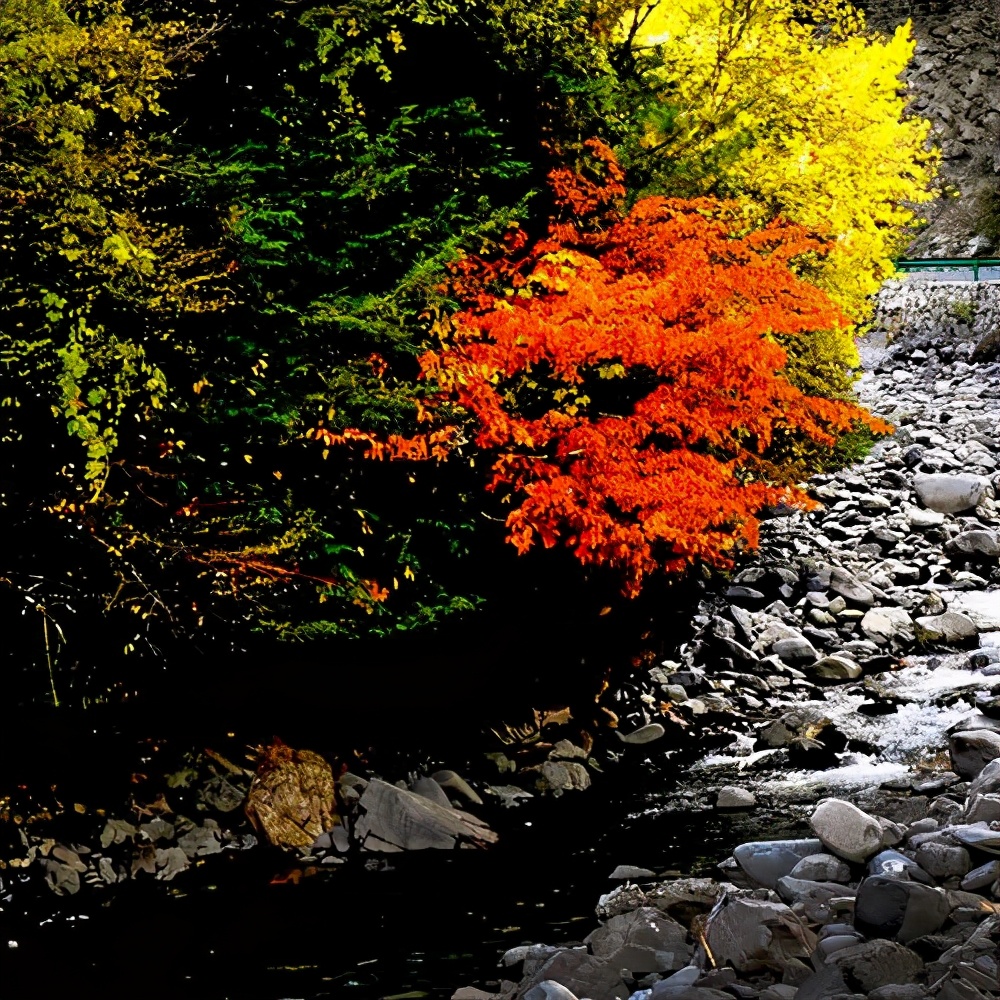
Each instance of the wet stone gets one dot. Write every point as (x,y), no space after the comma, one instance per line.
(769,860)
(980,837)
(822,868)
(892,864)
(971,750)
(892,908)
(943,861)
(982,877)
(645,734)
(870,964)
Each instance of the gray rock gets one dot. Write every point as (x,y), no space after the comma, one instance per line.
(826,984)
(395,819)
(430,789)
(987,781)
(779,991)
(950,494)
(982,877)
(921,519)
(883,625)
(848,586)
(835,667)
(813,899)
(644,734)
(870,964)
(943,861)
(456,783)
(766,861)
(891,908)
(752,933)
(630,944)
(982,838)
(972,749)
(631,872)
(687,976)
(846,830)
(899,991)
(822,868)
(663,992)
(797,649)
(982,808)
(644,940)
(560,776)
(988,346)
(549,989)
(948,627)
(892,864)
(975,543)
(734,797)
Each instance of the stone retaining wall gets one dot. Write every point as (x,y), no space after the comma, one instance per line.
(956,312)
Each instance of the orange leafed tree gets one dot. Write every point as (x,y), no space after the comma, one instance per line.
(623,376)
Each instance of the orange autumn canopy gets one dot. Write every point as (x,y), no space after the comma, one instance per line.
(623,376)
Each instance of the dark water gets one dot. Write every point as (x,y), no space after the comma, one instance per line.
(372,928)
(376,926)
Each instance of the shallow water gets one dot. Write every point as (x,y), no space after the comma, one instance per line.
(372,928)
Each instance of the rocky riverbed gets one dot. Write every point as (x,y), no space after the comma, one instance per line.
(856,664)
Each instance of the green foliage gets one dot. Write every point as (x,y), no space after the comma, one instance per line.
(98,270)
(963,311)
(212,266)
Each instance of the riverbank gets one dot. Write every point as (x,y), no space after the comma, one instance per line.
(857,656)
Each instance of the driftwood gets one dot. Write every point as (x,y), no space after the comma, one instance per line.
(394,819)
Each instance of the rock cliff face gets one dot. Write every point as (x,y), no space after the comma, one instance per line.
(955,81)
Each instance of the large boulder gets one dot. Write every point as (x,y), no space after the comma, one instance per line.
(870,964)
(972,750)
(629,945)
(846,830)
(891,908)
(884,625)
(766,861)
(948,627)
(948,493)
(750,934)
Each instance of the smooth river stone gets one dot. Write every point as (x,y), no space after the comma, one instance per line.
(950,494)
(846,830)
(972,750)
(889,908)
(766,861)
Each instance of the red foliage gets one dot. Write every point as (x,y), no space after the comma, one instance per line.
(624,376)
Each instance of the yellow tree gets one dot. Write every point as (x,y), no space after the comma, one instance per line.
(796,110)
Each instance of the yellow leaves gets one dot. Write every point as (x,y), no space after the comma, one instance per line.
(807,123)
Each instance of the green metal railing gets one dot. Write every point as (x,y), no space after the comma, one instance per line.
(975,264)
